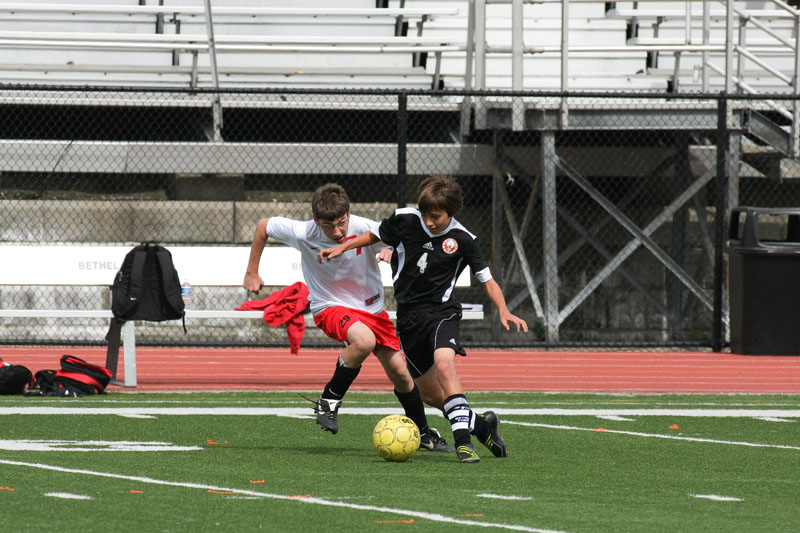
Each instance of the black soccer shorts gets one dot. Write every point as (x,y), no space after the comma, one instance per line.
(423,329)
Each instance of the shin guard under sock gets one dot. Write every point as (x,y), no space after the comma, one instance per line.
(414,408)
(461,417)
(342,378)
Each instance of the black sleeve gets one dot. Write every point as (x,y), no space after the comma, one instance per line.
(389,231)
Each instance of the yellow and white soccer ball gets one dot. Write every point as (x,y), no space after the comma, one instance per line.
(396,437)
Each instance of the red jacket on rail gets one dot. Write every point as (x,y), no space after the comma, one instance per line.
(285,306)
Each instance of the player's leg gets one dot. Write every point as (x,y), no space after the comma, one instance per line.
(409,396)
(456,408)
(433,394)
(463,419)
(360,343)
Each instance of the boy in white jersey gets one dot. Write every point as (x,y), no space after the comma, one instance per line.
(347,304)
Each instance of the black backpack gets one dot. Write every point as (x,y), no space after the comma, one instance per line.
(147,286)
(14,379)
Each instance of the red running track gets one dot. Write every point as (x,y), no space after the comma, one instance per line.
(197,369)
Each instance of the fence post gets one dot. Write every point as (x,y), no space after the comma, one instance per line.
(550,235)
(402,147)
(721,208)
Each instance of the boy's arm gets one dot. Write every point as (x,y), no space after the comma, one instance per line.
(252,280)
(365,239)
(495,294)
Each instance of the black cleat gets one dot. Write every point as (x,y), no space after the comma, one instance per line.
(466,454)
(327,411)
(433,441)
(494,441)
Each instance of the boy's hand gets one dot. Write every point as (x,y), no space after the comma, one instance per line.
(385,255)
(329,253)
(253,282)
(505,318)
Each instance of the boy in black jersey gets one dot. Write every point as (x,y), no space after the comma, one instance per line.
(431,249)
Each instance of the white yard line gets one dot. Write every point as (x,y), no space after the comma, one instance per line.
(306,500)
(503,497)
(51,445)
(305,411)
(716,497)
(68,496)
(654,435)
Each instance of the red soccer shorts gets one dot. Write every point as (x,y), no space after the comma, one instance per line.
(335,321)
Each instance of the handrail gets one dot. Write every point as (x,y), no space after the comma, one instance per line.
(190,38)
(728,45)
(201,46)
(774,105)
(245,11)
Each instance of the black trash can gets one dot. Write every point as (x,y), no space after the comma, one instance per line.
(764,282)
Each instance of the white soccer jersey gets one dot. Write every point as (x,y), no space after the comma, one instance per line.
(352,280)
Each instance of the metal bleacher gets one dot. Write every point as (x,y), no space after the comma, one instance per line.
(123,43)
(577,45)
(541,35)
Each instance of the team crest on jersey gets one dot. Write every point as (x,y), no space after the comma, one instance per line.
(450,246)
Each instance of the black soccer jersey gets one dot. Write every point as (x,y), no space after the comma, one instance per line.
(425,266)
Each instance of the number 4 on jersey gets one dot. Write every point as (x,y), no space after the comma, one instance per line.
(422,263)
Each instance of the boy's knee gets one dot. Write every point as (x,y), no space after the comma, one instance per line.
(361,340)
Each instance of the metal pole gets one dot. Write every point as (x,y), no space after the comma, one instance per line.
(550,235)
(729,47)
(480,63)
(402,147)
(466,104)
(796,89)
(706,42)
(563,117)
(719,222)
(216,106)
(517,33)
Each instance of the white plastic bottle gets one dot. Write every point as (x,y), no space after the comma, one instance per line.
(186,294)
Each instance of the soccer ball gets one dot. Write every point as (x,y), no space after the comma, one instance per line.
(396,437)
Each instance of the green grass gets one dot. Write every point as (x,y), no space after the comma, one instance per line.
(567,471)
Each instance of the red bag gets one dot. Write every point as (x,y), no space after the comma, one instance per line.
(92,378)
(76,378)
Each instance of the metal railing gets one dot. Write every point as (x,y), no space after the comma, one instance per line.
(733,48)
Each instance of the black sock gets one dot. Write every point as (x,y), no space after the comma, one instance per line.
(342,378)
(461,417)
(414,408)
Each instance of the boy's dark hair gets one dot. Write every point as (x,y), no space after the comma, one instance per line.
(440,192)
(329,202)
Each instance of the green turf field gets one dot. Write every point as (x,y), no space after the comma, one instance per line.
(258,462)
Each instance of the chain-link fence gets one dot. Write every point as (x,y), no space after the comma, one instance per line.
(598,211)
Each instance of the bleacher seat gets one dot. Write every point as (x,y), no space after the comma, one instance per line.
(303,44)
(310,43)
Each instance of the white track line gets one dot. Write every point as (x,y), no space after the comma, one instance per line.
(655,435)
(311,500)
